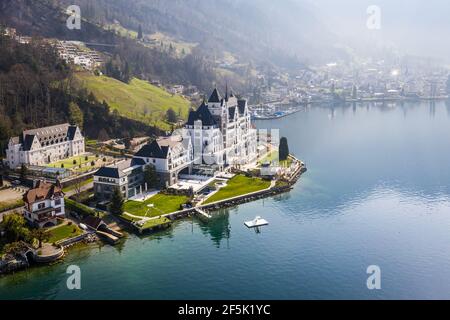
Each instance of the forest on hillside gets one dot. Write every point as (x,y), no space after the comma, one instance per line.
(35,91)
(129,58)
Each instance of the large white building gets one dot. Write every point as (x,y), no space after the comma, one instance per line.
(221,132)
(218,134)
(45,145)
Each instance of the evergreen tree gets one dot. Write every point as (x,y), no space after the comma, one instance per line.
(76,115)
(40,235)
(140,33)
(448,84)
(150,176)
(14,227)
(23,172)
(284,149)
(116,205)
(103,135)
(354,92)
(171,116)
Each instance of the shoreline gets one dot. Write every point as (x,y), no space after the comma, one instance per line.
(86,239)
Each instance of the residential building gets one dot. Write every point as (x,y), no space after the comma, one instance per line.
(170,156)
(41,146)
(126,175)
(44,204)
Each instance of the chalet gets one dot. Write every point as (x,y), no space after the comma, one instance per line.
(44,204)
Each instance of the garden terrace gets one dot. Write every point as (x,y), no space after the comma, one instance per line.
(161,204)
(237,186)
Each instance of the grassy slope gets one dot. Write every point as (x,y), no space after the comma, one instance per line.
(138,100)
(238,185)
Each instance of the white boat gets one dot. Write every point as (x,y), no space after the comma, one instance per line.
(257,222)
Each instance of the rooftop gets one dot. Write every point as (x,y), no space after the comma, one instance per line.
(42,191)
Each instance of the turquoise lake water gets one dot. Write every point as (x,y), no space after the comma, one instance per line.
(377,192)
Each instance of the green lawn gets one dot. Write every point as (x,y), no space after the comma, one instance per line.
(238,185)
(68,163)
(155,222)
(63,232)
(270,157)
(163,204)
(138,100)
(129,218)
(12,204)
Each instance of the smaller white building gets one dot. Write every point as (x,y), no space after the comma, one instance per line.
(169,156)
(38,147)
(43,204)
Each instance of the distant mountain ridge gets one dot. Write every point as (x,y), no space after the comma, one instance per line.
(261,30)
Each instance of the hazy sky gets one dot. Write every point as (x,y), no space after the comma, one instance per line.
(420,27)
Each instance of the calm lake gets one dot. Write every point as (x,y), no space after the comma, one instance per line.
(377,192)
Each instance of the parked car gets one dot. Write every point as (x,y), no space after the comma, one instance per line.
(16,182)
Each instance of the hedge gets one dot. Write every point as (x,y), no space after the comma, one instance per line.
(79,208)
(11,205)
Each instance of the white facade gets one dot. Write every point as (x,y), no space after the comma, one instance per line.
(44,204)
(222,133)
(169,156)
(45,145)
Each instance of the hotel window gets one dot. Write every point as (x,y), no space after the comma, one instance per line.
(57,202)
(41,206)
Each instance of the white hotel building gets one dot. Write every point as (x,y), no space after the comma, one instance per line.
(222,133)
(218,134)
(45,145)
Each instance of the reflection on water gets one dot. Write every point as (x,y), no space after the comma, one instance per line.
(377,191)
(218,227)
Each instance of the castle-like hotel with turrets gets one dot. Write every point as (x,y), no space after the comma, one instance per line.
(221,131)
(217,135)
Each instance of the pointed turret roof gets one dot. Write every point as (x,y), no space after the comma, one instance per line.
(203,114)
(215,96)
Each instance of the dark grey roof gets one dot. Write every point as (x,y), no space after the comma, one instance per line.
(71,132)
(203,114)
(215,96)
(231,112)
(93,222)
(137,162)
(108,172)
(28,142)
(241,106)
(48,135)
(153,150)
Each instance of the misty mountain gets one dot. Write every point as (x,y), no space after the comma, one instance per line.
(260,30)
